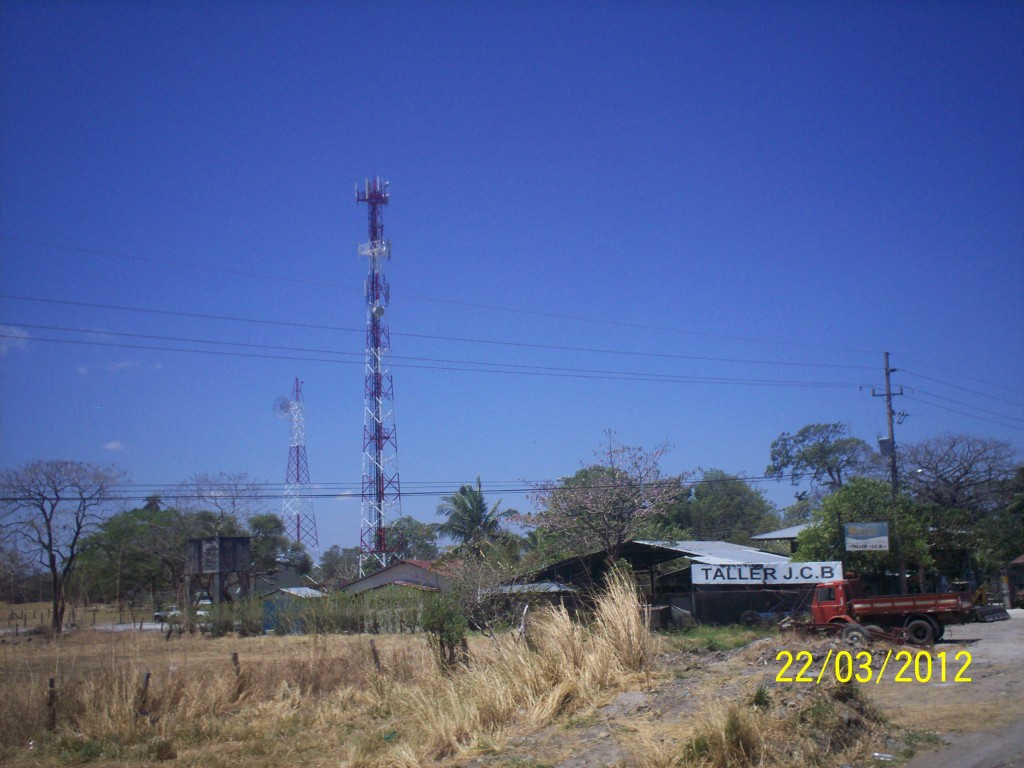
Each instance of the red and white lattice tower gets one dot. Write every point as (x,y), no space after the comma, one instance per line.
(381,501)
(297,508)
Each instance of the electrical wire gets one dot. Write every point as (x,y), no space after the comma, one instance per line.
(960,374)
(257,490)
(962,389)
(964,413)
(431,299)
(444,364)
(433,337)
(968,405)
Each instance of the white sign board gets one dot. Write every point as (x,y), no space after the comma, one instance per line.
(871,537)
(766,573)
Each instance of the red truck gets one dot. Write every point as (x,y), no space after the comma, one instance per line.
(924,616)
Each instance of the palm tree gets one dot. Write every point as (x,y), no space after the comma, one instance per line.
(474,527)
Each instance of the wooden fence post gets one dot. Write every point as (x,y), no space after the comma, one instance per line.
(51,706)
(376,655)
(143,694)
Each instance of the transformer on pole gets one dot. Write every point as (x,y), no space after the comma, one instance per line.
(381,497)
(297,507)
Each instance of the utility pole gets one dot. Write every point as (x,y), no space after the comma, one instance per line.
(894,480)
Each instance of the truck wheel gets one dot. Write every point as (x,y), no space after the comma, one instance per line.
(873,630)
(920,632)
(855,634)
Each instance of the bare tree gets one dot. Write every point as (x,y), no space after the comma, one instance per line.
(603,504)
(52,506)
(233,496)
(958,471)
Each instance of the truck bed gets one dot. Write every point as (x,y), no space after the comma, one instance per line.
(883,605)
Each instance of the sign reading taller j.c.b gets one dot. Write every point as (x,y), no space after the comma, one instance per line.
(867,537)
(766,573)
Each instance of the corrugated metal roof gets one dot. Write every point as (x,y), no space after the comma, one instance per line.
(302,592)
(550,587)
(719,552)
(781,534)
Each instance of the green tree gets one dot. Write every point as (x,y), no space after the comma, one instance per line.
(866,500)
(419,539)
(271,545)
(1000,535)
(339,566)
(445,625)
(132,553)
(822,453)
(53,506)
(476,528)
(718,506)
(605,504)
(144,548)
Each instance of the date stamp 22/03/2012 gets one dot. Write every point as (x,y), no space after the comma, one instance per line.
(865,667)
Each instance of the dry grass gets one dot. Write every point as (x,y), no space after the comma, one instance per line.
(315,700)
(27,616)
(816,726)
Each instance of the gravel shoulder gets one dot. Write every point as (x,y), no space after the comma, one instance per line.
(981,723)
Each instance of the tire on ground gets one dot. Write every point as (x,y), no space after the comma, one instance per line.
(920,632)
(855,634)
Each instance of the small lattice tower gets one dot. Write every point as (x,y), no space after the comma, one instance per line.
(381,496)
(297,508)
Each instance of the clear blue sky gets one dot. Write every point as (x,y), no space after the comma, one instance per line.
(742,205)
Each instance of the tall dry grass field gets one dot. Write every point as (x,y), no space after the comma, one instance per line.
(312,700)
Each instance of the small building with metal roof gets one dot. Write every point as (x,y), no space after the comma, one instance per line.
(420,574)
(669,585)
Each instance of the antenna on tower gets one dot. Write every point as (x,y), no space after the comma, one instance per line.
(297,507)
(381,495)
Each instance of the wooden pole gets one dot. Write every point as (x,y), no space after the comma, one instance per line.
(143,695)
(376,655)
(51,706)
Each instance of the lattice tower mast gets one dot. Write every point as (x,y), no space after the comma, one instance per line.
(381,497)
(297,508)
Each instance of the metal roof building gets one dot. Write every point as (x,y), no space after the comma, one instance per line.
(718,552)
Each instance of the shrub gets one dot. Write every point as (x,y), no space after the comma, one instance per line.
(445,626)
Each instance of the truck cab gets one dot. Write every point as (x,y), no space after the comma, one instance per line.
(832,602)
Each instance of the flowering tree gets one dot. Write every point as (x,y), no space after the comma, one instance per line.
(604,503)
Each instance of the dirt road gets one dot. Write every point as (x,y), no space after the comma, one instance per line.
(981,722)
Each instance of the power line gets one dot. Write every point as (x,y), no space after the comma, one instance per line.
(432,299)
(968,405)
(467,366)
(911,398)
(433,337)
(255,490)
(963,375)
(962,389)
